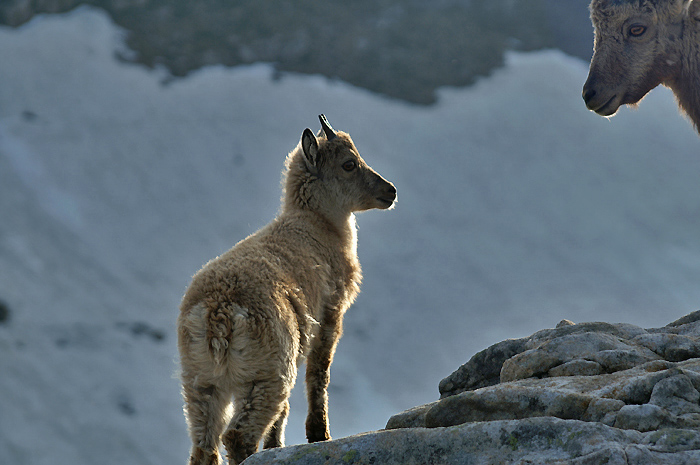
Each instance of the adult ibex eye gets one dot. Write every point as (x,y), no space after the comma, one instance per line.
(637,30)
(349,165)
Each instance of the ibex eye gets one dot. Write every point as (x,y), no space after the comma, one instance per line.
(349,165)
(637,30)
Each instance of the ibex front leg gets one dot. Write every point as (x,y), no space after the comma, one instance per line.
(318,375)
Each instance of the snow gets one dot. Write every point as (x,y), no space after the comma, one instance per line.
(517,208)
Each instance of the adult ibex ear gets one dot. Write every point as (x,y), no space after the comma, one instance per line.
(309,146)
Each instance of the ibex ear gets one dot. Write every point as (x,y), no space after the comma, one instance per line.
(309,145)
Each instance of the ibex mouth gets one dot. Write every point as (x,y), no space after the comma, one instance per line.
(387,196)
(388,201)
(608,108)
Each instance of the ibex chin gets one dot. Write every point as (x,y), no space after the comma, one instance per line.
(252,315)
(640,44)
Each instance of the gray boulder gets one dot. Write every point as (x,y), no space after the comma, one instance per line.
(587,393)
(544,440)
(654,395)
(617,374)
(576,349)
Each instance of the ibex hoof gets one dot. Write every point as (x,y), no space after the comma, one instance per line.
(237,448)
(317,436)
(202,457)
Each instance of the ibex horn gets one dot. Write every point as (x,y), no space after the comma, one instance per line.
(330,133)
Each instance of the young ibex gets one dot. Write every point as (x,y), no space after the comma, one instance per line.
(640,44)
(252,315)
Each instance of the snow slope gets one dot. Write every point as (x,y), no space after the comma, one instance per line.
(517,208)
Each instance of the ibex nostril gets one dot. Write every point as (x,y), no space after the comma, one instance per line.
(588,94)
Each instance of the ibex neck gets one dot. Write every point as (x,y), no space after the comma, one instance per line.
(342,228)
(685,84)
(345,227)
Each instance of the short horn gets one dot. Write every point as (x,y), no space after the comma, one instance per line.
(327,129)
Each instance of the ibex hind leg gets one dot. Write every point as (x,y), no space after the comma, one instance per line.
(253,416)
(205,409)
(275,436)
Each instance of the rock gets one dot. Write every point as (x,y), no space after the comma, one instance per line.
(671,347)
(550,348)
(583,394)
(617,375)
(484,368)
(647,417)
(506,402)
(610,352)
(411,418)
(565,322)
(542,440)
(185,36)
(689,318)
(670,390)
(603,410)
(576,368)
(676,394)
(585,349)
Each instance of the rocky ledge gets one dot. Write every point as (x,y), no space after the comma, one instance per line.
(588,393)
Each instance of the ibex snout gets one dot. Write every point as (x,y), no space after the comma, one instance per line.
(382,191)
(602,100)
(588,94)
(387,195)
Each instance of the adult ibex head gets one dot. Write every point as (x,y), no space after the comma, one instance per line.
(640,44)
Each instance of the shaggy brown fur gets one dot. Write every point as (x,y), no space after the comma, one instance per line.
(251,316)
(640,44)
